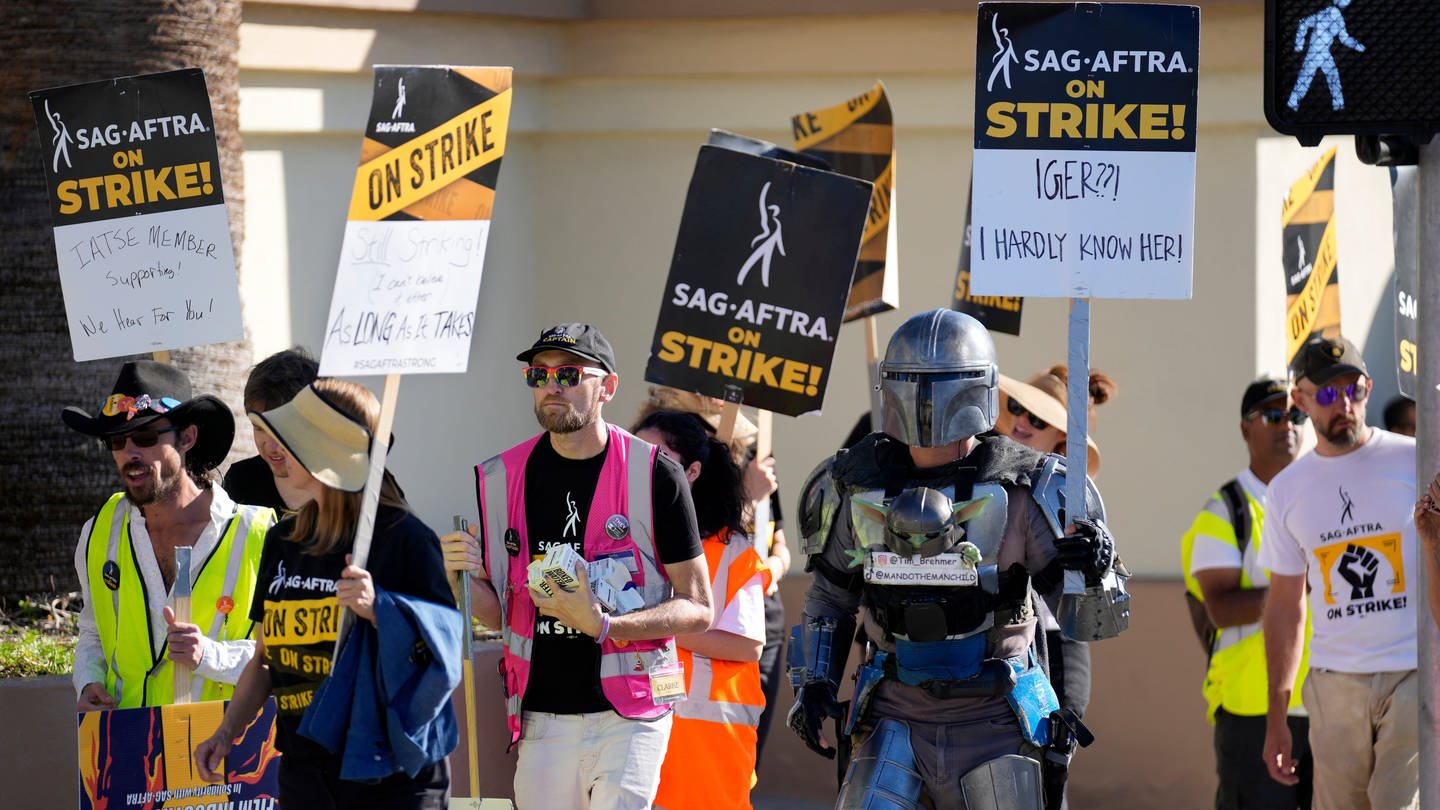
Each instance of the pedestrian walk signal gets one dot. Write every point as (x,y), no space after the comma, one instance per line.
(1337,67)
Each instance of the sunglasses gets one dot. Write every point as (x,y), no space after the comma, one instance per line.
(1017,410)
(1274,416)
(566,376)
(141,438)
(1355,392)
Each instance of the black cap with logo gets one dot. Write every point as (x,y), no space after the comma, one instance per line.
(1261,391)
(579,339)
(1322,359)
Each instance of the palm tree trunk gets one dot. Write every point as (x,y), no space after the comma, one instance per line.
(55,479)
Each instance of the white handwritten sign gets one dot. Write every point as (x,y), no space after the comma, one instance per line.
(1084,182)
(142,239)
(148,283)
(410,266)
(405,297)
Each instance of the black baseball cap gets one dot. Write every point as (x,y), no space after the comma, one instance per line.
(1322,358)
(579,339)
(1261,391)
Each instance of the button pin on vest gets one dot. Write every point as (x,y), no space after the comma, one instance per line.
(617,526)
(512,542)
(111,574)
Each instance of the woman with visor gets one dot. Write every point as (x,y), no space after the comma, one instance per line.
(326,432)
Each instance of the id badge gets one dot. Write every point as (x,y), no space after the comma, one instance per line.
(667,683)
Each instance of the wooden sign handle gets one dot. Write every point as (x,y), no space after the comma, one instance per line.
(365,527)
(764,525)
(726,431)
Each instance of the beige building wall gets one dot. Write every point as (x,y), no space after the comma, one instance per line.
(610,108)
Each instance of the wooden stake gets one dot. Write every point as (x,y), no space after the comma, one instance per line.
(365,527)
(872,369)
(162,356)
(726,431)
(764,526)
(468,673)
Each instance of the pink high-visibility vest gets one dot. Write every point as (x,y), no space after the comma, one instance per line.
(624,480)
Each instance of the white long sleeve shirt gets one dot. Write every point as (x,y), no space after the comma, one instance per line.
(220,661)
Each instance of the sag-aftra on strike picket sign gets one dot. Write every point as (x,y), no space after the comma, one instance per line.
(142,237)
(1085,119)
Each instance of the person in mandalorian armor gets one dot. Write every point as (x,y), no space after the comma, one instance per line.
(939,537)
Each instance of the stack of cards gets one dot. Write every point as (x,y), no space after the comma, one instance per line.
(609,578)
(610,581)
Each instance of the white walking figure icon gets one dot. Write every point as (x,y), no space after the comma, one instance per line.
(399,101)
(62,139)
(572,519)
(769,240)
(1004,54)
(1323,28)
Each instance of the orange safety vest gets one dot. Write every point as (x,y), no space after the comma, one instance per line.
(711,759)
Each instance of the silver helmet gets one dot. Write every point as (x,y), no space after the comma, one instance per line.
(938,381)
(921,521)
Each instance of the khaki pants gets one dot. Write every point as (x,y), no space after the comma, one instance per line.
(598,761)
(1365,738)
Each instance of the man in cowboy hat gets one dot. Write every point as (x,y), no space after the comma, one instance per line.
(166,444)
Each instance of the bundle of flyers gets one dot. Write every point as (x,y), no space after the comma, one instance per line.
(609,579)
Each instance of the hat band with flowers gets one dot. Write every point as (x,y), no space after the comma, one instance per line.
(117,404)
(145,391)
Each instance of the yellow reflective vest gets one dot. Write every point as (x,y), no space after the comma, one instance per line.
(1237,678)
(224,585)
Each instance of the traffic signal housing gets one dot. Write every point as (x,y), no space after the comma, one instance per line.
(1337,67)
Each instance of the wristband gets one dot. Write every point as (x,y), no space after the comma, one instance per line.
(604,628)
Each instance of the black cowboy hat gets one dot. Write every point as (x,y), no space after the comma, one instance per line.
(147,390)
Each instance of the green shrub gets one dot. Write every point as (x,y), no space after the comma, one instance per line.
(34,653)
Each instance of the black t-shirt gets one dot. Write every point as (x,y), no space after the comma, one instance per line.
(250,481)
(299,614)
(565,663)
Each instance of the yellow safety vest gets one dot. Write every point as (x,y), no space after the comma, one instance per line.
(133,671)
(1237,679)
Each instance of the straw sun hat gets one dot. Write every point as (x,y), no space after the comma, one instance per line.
(331,446)
(1044,397)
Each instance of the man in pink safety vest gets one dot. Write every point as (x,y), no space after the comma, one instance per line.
(587,692)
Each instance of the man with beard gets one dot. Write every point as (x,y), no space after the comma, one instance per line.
(1226,586)
(166,445)
(587,691)
(1341,521)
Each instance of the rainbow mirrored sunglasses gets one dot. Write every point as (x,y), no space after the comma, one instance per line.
(566,376)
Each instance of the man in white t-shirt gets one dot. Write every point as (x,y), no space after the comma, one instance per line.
(1220,559)
(1340,519)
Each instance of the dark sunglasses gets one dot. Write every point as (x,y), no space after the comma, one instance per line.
(1017,410)
(1355,392)
(1274,416)
(566,376)
(142,438)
